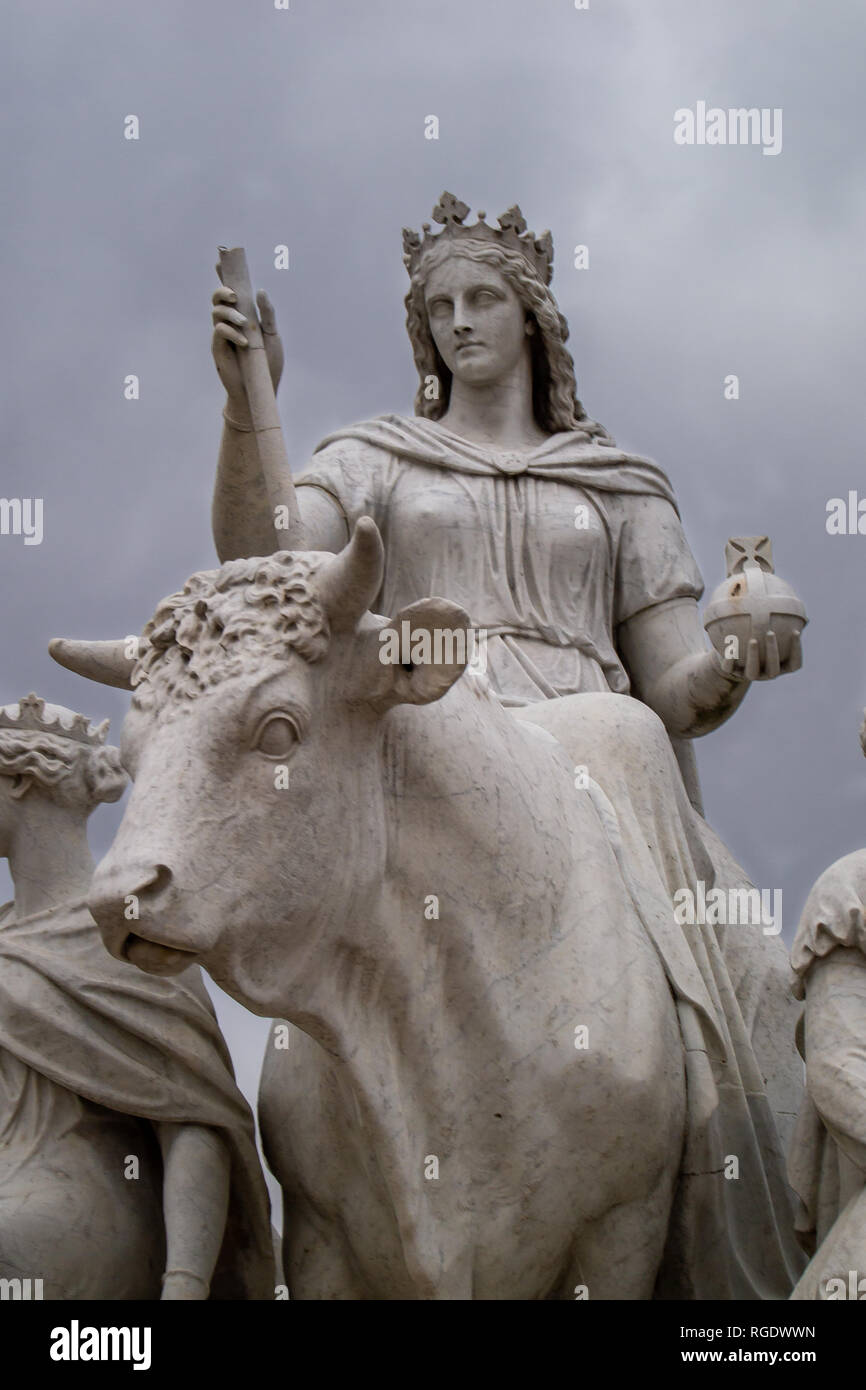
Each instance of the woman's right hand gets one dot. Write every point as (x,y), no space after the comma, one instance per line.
(229,339)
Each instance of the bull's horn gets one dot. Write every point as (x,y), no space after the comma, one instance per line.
(105,662)
(349,583)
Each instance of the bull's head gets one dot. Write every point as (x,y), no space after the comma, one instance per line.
(256,821)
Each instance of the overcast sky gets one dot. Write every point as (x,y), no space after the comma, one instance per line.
(261,127)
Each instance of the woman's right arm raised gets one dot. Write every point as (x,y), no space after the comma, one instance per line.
(243,523)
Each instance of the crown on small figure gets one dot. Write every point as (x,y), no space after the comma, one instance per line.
(511,234)
(31,719)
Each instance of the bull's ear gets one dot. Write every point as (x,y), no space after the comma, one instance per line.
(418,655)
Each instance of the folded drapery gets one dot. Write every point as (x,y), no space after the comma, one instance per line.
(138,1045)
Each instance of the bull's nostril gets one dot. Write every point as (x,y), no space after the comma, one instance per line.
(149,887)
(124,894)
(162,877)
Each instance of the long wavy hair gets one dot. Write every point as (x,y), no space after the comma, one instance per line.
(554,388)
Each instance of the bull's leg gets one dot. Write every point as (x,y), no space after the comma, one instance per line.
(618,1256)
(317,1262)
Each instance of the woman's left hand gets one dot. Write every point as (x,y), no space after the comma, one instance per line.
(762,661)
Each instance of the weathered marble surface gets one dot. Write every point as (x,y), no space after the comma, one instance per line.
(505,496)
(127,1160)
(568,552)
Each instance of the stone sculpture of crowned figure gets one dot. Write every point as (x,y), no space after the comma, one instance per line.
(504,496)
(501,495)
(128,1167)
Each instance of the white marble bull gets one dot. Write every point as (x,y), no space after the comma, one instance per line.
(484,1092)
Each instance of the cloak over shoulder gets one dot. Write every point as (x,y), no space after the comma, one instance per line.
(575,456)
(549,549)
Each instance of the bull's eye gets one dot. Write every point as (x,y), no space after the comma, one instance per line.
(277,736)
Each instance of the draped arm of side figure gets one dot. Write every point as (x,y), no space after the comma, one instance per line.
(195,1196)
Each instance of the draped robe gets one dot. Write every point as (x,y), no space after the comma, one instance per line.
(550,550)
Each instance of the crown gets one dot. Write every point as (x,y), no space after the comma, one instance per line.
(511,233)
(31,719)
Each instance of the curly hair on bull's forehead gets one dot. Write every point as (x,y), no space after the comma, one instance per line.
(207,632)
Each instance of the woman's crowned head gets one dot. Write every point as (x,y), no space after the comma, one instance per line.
(60,753)
(524,263)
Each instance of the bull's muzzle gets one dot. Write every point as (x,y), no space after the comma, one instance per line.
(132,908)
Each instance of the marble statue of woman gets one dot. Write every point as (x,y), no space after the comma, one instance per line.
(827,1164)
(128,1167)
(503,496)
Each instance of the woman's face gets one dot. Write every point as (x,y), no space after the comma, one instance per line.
(476,319)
